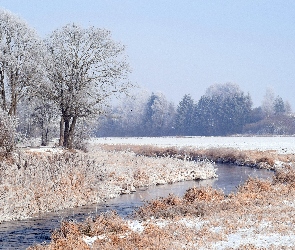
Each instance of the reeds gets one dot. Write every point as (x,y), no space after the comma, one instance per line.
(259,216)
(34,182)
(269,159)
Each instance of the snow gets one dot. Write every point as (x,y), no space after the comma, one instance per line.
(44,149)
(135,226)
(283,145)
(250,236)
(192,223)
(90,240)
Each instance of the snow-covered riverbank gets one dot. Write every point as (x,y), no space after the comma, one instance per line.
(259,152)
(283,145)
(258,216)
(36,182)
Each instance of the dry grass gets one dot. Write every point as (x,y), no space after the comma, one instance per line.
(261,159)
(36,182)
(110,232)
(259,216)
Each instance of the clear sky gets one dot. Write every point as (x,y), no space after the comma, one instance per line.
(181,47)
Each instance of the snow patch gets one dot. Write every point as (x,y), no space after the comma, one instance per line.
(248,236)
(135,226)
(90,240)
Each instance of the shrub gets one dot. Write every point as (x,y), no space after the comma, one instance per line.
(82,135)
(7,133)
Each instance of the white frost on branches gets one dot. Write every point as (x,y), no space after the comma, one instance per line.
(21,60)
(86,69)
(7,133)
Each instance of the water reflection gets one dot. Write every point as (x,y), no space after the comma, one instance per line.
(21,234)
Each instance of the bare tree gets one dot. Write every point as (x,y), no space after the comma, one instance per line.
(288,108)
(21,60)
(158,116)
(86,70)
(268,102)
(44,116)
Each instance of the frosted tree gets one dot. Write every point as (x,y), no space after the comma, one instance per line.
(147,122)
(223,90)
(86,70)
(279,106)
(163,111)
(125,118)
(268,102)
(130,113)
(288,108)
(223,110)
(21,60)
(184,116)
(158,116)
(44,116)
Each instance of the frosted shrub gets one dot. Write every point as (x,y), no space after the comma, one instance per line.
(7,133)
(82,135)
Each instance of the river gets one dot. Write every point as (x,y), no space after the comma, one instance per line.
(24,233)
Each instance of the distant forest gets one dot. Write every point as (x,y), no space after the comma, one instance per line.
(223,110)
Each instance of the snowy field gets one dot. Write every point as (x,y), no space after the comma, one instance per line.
(283,145)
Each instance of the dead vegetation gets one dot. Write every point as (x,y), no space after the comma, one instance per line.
(36,182)
(268,159)
(261,214)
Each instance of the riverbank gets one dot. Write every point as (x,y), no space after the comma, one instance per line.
(268,159)
(259,216)
(260,152)
(108,170)
(280,144)
(38,181)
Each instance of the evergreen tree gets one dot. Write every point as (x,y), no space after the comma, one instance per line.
(223,110)
(279,106)
(184,116)
(148,115)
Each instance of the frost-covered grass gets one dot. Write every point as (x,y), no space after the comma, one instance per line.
(261,152)
(259,216)
(283,145)
(33,182)
(269,159)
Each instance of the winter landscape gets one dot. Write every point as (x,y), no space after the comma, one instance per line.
(258,216)
(76,129)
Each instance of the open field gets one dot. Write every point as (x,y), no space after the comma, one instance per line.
(260,152)
(282,145)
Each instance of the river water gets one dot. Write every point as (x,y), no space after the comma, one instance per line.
(21,234)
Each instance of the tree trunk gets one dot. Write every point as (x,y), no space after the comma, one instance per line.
(3,94)
(72,132)
(61,132)
(43,140)
(66,132)
(12,109)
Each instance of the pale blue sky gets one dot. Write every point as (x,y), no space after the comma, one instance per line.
(180,47)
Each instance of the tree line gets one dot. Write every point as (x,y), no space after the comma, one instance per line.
(223,110)
(63,86)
